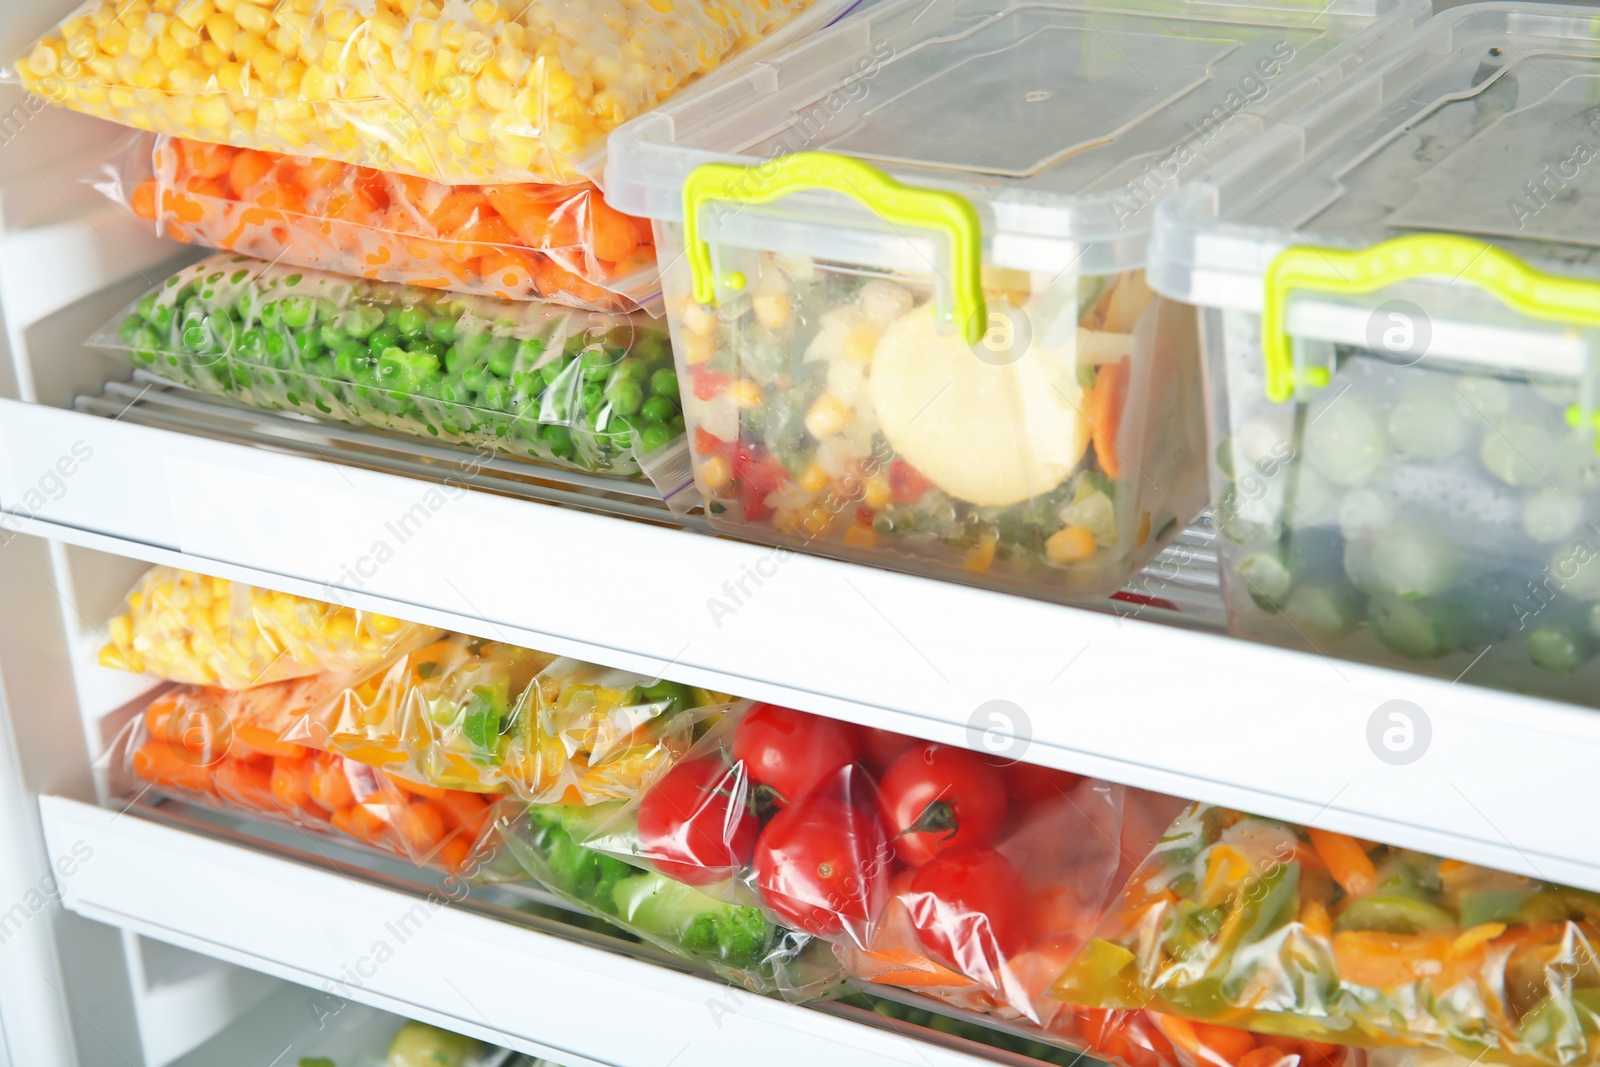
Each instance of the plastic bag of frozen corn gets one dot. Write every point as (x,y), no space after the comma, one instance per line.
(465,713)
(460,91)
(558,243)
(225,748)
(190,627)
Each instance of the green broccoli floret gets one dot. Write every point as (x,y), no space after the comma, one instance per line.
(579,872)
(681,915)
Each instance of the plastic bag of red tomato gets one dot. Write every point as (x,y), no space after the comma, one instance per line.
(558,243)
(224,748)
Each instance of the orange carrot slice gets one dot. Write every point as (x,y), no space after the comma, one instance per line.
(1103,408)
(1347,861)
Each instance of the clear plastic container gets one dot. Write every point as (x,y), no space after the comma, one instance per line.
(1401,294)
(907,296)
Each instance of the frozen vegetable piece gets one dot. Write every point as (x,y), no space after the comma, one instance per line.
(1426,421)
(190,627)
(1360,943)
(478,91)
(1344,441)
(560,243)
(532,379)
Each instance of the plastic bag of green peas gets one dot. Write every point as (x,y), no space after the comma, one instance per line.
(580,389)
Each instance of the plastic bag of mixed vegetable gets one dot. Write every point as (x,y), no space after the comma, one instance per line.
(1307,932)
(464,713)
(581,389)
(190,627)
(559,243)
(456,92)
(225,748)
(735,941)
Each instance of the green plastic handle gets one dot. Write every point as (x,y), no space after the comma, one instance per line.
(896,203)
(1329,270)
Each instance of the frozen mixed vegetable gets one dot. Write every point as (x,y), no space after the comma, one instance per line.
(190,627)
(580,389)
(468,91)
(1310,933)
(559,243)
(465,713)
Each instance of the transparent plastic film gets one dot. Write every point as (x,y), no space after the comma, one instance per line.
(737,942)
(228,749)
(578,389)
(465,713)
(1313,934)
(456,91)
(558,243)
(189,627)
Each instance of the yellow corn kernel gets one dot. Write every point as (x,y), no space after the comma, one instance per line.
(1142,533)
(813,478)
(773,310)
(140,44)
(246,45)
(745,393)
(384,624)
(43,60)
(266,64)
(715,472)
(826,417)
(151,73)
(877,493)
(1069,545)
(113,39)
(211,112)
(252,17)
(168,52)
(861,536)
(222,29)
(182,34)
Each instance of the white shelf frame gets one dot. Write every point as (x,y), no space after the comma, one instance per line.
(1202,716)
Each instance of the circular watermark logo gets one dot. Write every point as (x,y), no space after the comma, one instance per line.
(1398,732)
(1399,330)
(1007,334)
(1000,729)
(197,731)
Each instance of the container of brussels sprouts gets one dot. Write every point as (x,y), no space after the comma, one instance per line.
(579,389)
(1401,330)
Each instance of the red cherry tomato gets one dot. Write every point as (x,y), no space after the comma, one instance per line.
(1029,781)
(936,797)
(694,823)
(789,751)
(879,748)
(821,863)
(969,905)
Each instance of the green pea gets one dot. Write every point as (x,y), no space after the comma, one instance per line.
(130,327)
(559,438)
(436,349)
(411,322)
(360,321)
(147,304)
(658,409)
(625,397)
(654,437)
(472,346)
(252,344)
(332,336)
(529,351)
(475,378)
(275,347)
(442,329)
(664,382)
(553,370)
(597,357)
(497,395)
(589,399)
(502,353)
(382,339)
(348,356)
(147,339)
(297,311)
(271,314)
(161,317)
(195,337)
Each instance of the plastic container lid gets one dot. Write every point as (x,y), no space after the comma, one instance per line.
(1064,123)
(1484,123)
